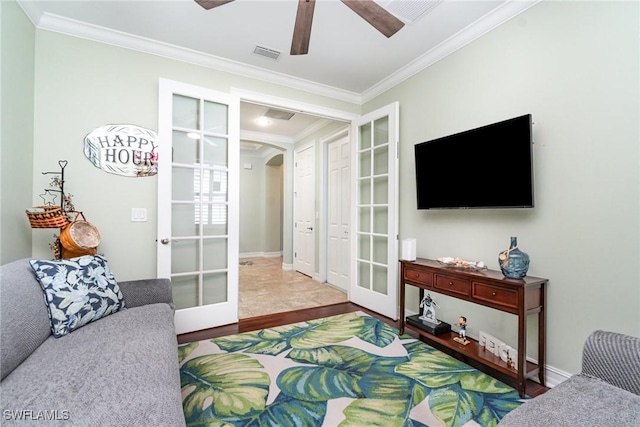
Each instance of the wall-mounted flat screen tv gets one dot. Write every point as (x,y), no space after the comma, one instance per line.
(487,167)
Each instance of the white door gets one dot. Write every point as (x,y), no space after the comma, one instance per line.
(304,211)
(339,213)
(374,248)
(198,203)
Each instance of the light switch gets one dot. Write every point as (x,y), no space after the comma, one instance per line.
(138,214)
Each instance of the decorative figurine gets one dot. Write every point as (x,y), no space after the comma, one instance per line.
(428,321)
(428,310)
(462,333)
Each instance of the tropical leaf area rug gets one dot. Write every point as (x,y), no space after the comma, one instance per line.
(345,370)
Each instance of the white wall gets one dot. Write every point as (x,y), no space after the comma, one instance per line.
(575,67)
(16,136)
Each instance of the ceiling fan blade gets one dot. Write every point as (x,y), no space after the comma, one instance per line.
(210,4)
(376,15)
(302,27)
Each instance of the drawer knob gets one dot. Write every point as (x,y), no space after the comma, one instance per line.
(450,283)
(493,294)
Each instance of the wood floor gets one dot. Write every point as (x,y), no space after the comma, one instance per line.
(279,319)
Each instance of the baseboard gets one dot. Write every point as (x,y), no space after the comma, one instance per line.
(260,255)
(287,267)
(251,255)
(272,254)
(553,376)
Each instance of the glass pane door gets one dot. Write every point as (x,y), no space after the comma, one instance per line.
(199,202)
(375,219)
(199,214)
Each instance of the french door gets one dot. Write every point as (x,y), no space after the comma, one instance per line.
(374,248)
(198,203)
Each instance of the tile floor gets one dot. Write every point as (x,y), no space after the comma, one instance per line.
(265,288)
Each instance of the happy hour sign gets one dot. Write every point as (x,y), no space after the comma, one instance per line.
(127,150)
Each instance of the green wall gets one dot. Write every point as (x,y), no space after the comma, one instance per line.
(273,204)
(261,204)
(574,66)
(252,207)
(17,47)
(80,85)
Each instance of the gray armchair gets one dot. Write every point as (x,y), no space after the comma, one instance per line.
(605,393)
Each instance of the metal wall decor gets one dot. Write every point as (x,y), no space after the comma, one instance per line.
(77,236)
(122,149)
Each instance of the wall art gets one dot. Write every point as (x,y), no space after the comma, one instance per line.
(122,149)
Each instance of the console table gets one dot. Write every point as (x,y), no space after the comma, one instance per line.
(489,288)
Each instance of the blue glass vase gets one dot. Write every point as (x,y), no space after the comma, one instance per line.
(513,262)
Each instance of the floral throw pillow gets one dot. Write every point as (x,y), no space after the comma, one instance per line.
(77,291)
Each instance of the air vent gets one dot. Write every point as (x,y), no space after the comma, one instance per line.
(266,52)
(410,10)
(272,113)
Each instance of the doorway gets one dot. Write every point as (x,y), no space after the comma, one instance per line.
(269,282)
(374,139)
(261,202)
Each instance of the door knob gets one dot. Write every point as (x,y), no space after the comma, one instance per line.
(165,241)
(310,228)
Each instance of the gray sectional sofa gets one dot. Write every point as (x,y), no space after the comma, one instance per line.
(605,393)
(120,370)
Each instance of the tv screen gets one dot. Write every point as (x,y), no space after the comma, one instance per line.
(487,167)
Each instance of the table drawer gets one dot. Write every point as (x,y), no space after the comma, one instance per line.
(496,295)
(418,276)
(453,285)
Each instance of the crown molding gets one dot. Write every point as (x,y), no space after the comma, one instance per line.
(59,24)
(493,19)
(32,11)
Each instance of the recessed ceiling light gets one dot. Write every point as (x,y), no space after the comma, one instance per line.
(263,121)
(193,135)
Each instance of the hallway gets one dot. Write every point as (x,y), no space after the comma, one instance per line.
(265,288)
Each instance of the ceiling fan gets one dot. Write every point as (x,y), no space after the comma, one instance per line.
(368,10)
